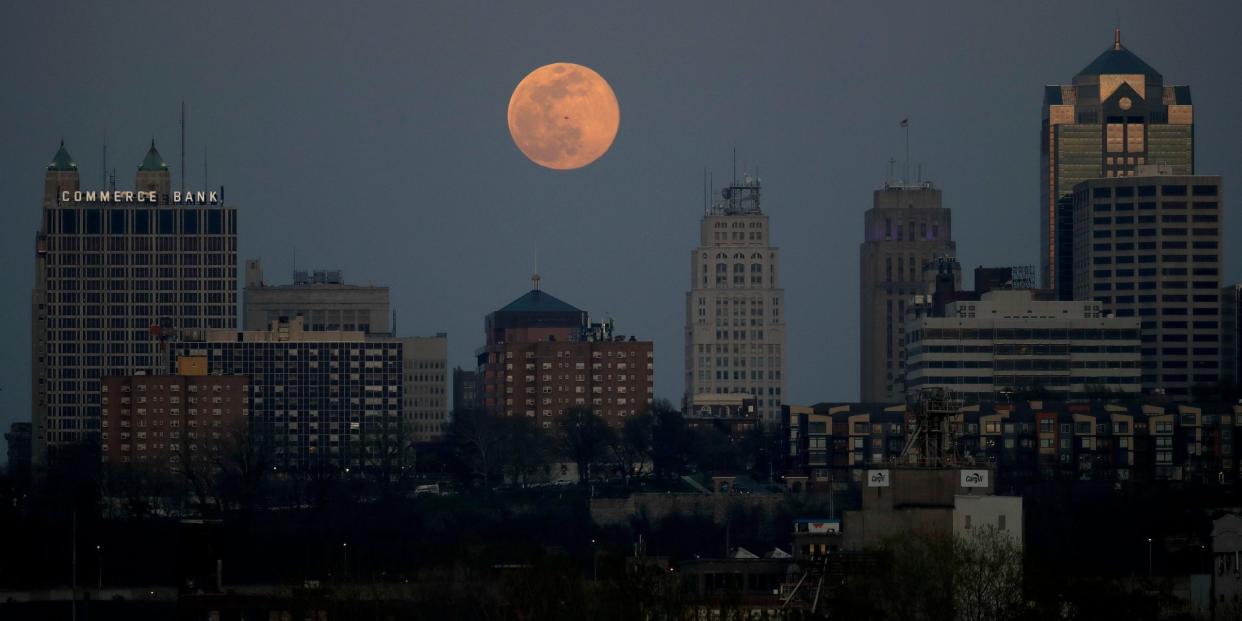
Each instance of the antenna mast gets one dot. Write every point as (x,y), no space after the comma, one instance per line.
(182,180)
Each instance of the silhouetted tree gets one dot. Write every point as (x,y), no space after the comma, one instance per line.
(670,439)
(584,438)
(632,447)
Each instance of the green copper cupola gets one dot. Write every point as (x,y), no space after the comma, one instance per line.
(62,161)
(153,162)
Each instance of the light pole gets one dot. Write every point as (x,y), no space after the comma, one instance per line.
(1149,557)
(99,568)
(594,562)
(345,561)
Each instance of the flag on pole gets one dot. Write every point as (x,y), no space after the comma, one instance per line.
(905,122)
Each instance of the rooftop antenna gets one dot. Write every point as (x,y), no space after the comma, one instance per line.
(891,162)
(104,181)
(734,165)
(394,322)
(905,124)
(182,180)
(205,186)
(534,278)
(705,190)
(920,173)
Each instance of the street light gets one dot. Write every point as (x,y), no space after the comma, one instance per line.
(1149,557)
(594,562)
(345,564)
(99,567)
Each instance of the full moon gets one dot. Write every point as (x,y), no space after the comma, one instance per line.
(563,116)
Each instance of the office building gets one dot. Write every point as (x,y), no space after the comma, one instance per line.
(109,266)
(321,297)
(735,322)
(907,230)
(466,389)
(1010,342)
(543,357)
(1116,115)
(1150,246)
(426,396)
(172,422)
(326,398)
(1231,334)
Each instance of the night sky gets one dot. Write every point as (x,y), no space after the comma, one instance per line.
(372,138)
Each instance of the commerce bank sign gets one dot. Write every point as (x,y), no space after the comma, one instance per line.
(115,197)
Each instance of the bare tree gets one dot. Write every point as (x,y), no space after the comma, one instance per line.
(246,459)
(632,447)
(987,576)
(585,438)
(477,440)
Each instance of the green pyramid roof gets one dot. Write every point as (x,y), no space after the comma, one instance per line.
(537,301)
(154,161)
(62,160)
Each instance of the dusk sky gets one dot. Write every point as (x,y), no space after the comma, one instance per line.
(372,138)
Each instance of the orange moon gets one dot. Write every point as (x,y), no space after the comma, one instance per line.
(563,116)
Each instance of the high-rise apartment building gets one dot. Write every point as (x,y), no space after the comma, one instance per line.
(1010,341)
(1150,246)
(322,297)
(326,398)
(170,421)
(1117,114)
(735,322)
(542,357)
(907,229)
(109,266)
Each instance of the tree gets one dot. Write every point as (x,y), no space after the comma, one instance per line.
(987,577)
(632,447)
(525,450)
(477,441)
(585,438)
(246,459)
(670,439)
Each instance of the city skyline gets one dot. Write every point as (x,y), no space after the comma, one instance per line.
(357,218)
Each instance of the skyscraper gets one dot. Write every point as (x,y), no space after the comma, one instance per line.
(1116,115)
(735,326)
(905,230)
(112,268)
(1150,246)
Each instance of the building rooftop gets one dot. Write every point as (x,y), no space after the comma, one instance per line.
(62,160)
(536,301)
(153,161)
(1117,60)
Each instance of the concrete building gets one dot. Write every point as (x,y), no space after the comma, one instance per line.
(924,501)
(171,422)
(542,357)
(1149,245)
(972,513)
(329,398)
(735,322)
(1116,115)
(321,297)
(109,266)
(1231,334)
(906,230)
(1008,341)
(1227,567)
(467,389)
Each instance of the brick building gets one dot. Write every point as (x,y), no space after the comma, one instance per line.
(168,420)
(543,357)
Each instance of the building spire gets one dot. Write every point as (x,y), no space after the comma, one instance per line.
(1117,38)
(534,281)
